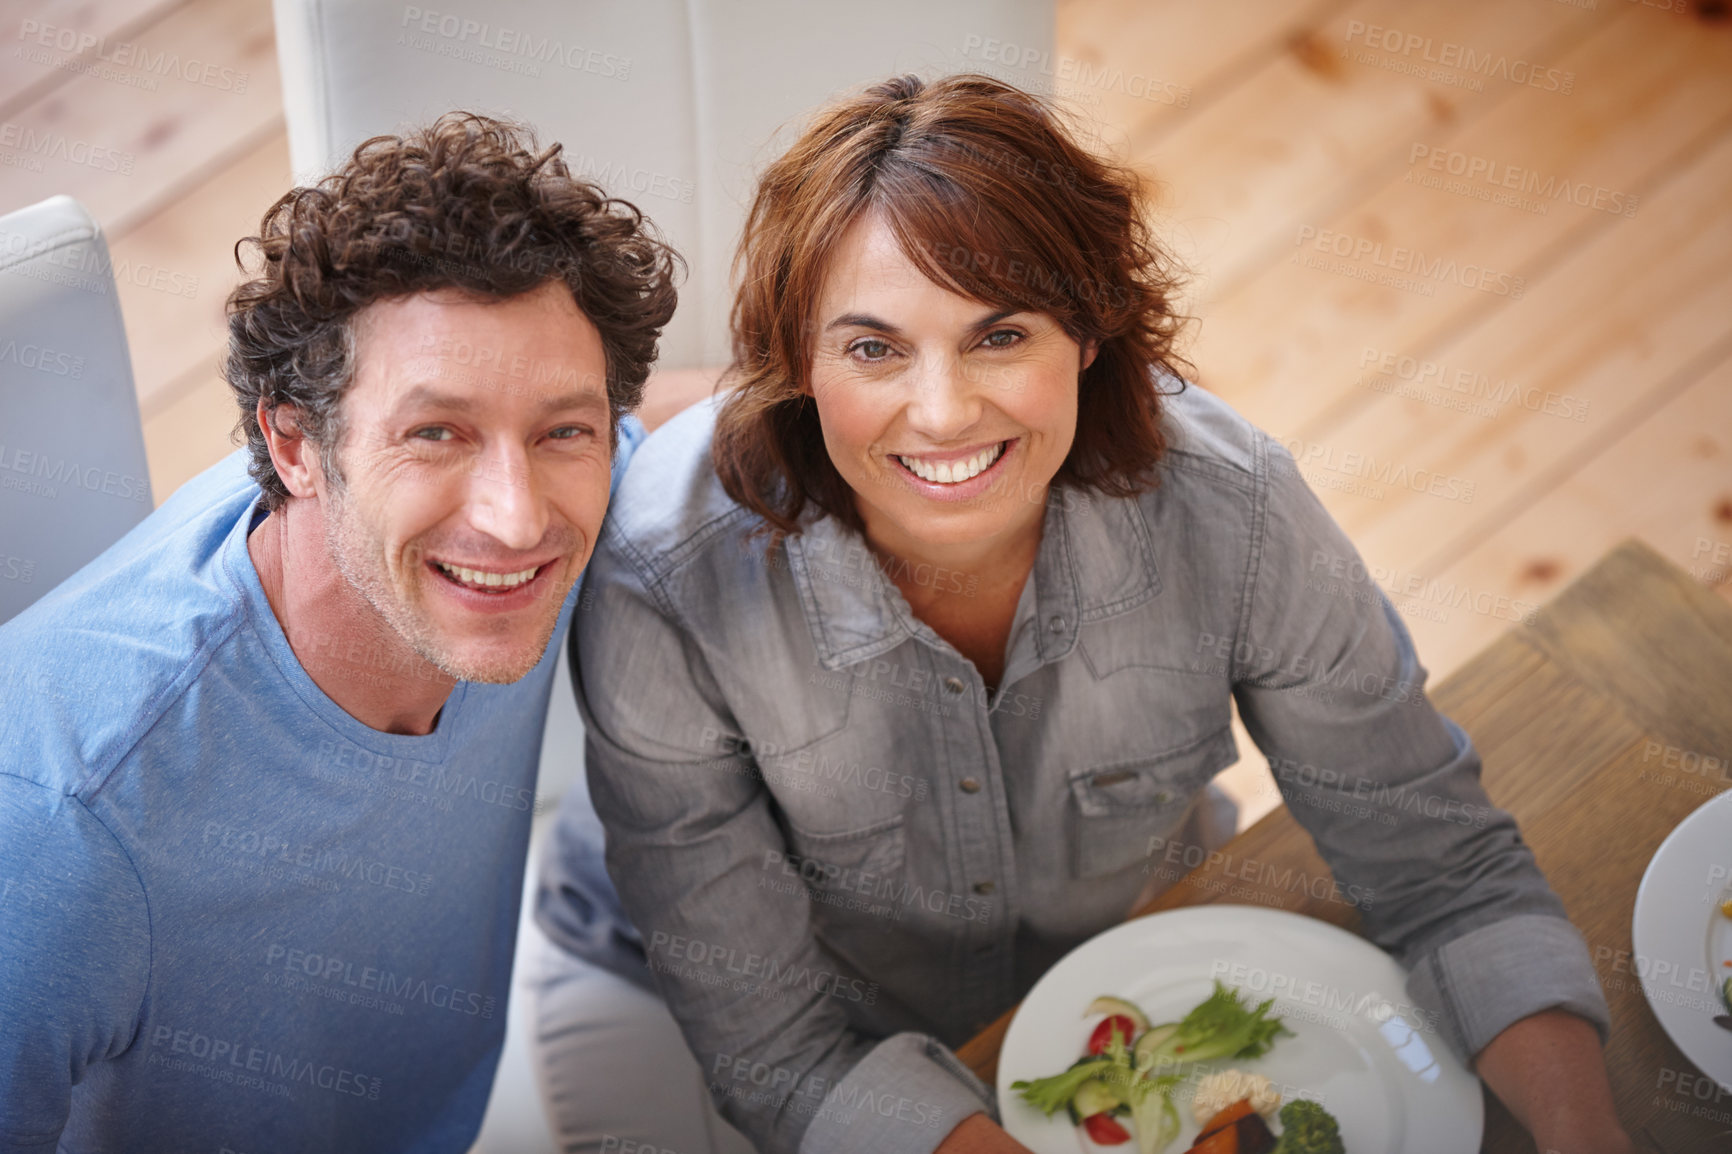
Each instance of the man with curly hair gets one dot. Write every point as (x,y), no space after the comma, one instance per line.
(264,802)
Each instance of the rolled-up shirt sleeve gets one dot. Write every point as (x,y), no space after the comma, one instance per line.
(1330,688)
(691,827)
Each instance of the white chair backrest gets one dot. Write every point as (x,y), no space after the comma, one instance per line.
(675,105)
(73,478)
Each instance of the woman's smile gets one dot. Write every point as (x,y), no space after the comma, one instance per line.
(947,475)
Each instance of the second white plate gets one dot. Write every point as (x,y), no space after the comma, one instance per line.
(1682,939)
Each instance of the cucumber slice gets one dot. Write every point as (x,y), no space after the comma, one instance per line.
(1107,1004)
(1095,1097)
(1150,1047)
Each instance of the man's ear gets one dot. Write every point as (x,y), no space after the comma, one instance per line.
(295,458)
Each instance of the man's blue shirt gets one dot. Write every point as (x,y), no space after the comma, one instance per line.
(231,915)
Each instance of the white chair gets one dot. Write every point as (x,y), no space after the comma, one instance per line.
(674,105)
(73,478)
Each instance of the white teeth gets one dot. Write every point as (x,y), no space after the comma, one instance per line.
(953,472)
(484,580)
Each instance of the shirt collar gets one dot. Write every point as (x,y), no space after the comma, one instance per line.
(1096,561)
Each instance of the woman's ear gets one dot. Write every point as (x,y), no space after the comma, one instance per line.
(1089,349)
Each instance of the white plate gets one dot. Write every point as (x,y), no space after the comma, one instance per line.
(1360,1047)
(1680,936)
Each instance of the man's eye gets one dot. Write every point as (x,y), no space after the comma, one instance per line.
(870,349)
(432,433)
(571,432)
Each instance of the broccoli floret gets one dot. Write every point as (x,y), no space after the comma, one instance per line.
(1307,1128)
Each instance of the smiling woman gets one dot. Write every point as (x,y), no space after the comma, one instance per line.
(953,357)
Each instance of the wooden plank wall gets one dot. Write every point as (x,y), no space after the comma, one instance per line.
(1562,370)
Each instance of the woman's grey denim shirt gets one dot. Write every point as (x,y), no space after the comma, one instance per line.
(843,856)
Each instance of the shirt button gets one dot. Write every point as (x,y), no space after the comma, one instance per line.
(953,685)
(984,887)
(1055,623)
(969,785)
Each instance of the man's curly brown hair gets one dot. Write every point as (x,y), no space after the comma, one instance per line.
(467,203)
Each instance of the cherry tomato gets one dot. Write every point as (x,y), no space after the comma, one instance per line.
(1119,1023)
(1104,1131)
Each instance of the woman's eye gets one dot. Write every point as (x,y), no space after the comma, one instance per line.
(870,349)
(1001,338)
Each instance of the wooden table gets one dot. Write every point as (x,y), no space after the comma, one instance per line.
(1596,723)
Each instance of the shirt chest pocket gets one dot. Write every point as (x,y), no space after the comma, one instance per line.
(1116,808)
(863,862)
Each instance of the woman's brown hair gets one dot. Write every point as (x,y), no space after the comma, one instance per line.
(989,196)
